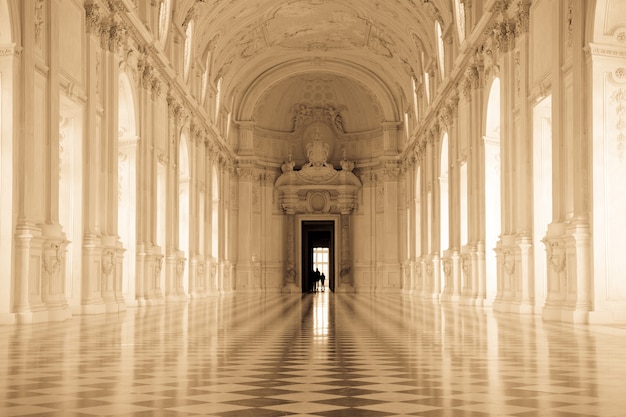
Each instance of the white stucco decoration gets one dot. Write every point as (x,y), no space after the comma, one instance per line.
(301,191)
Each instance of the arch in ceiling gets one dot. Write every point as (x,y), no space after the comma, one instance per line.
(9,22)
(605,21)
(257,88)
(355,104)
(248,40)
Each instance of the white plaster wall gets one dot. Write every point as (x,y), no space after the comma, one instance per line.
(6,191)
(273,248)
(8,105)
(541,40)
(364,240)
(609,190)
(71,40)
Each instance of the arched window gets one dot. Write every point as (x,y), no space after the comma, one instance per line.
(187,51)
(444,202)
(218,97)
(418,212)
(70,183)
(542,190)
(205,78)
(415,102)
(459,14)
(427,86)
(215,213)
(127,183)
(440,51)
(407,126)
(464,203)
(164,20)
(184,195)
(492,188)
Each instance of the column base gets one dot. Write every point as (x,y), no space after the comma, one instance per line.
(345,288)
(565,316)
(290,289)
(93,309)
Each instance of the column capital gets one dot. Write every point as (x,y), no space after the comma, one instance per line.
(523,16)
(245,124)
(503,35)
(93,17)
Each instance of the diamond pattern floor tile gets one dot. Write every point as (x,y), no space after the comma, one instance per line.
(316,355)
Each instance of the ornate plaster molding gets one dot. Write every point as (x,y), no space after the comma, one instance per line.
(317,187)
(609,51)
(305,115)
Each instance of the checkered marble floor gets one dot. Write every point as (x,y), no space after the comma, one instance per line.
(321,354)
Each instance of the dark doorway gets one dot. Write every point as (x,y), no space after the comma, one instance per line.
(318,251)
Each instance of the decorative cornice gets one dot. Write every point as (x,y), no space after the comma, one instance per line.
(248,173)
(154,66)
(609,51)
(391,170)
(468,67)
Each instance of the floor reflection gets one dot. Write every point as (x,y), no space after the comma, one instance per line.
(322,354)
(321,324)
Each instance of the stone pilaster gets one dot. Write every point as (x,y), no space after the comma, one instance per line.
(246,138)
(346,280)
(289,282)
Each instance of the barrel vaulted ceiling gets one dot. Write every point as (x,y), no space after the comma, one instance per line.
(357,56)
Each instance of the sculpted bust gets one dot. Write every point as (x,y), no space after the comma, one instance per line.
(288,166)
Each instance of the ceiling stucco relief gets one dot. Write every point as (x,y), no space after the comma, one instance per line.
(255,42)
(356,105)
(305,25)
(352,59)
(327,27)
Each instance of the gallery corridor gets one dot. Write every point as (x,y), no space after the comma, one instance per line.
(321,354)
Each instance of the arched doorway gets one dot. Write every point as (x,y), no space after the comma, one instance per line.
(444,209)
(8,84)
(184,179)
(7,147)
(127,179)
(466,284)
(417,282)
(601,137)
(214,275)
(71,193)
(464,215)
(493,226)
(161,215)
(542,193)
